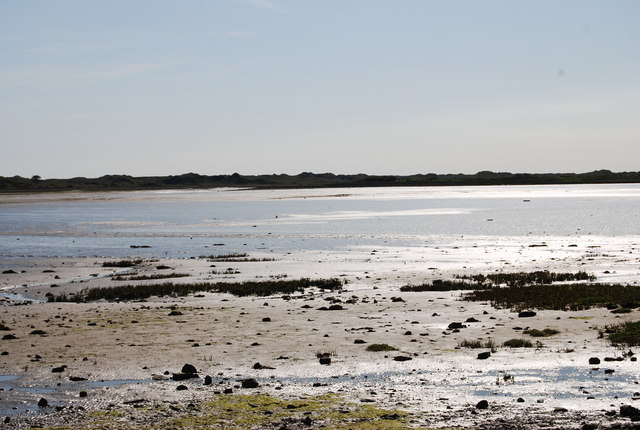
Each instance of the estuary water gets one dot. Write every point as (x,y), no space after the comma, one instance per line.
(191,223)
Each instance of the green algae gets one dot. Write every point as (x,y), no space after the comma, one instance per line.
(244,412)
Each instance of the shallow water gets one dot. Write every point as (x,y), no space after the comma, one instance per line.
(190,223)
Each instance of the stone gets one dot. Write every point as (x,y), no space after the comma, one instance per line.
(181,388)
(183,376)
(472,320)
(526,314)
(482,404)
(629,411)
(43,403)
(325,361)
(189,368)
(58,369)
(484,355)
(250,383)
(594,360)
(208,380)
(455,325)
(266,319)
(402,358)
(83,394)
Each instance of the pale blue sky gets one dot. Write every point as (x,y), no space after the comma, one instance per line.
(158,87)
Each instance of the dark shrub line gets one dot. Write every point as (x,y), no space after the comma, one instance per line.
(559,297)
(249,288)
(149,277)
(493,280)
(122,263)
(624,335)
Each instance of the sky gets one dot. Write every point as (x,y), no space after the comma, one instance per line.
(165,87)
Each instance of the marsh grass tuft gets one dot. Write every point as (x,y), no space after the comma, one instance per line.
(518,343)
(122,263)
(624,335)
(557,297)
(381,347)
(168,289)
(150,277)
(495,280)
(547,332)
(476,344)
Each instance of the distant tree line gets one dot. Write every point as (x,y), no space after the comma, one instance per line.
(307,180)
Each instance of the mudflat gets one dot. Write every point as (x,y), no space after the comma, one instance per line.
(365,356)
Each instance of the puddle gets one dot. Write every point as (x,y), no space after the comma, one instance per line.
(17,399)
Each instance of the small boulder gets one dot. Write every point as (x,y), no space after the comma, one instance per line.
(58,369)
(250,383)
(402,358)
(594,360)
(526,314)
(43,403)
(629,412)
(484,355)
(208,380)
(325,361)
(482,404)
(181,388)
(189,368)
(455,325)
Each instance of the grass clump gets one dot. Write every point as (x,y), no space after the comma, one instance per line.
(381,347)
(494,280)
(476,344)
(624,335)
(150,277)
(122,263)
(558,297)
(169,289)
(518,343)
(547,332)
(539,277)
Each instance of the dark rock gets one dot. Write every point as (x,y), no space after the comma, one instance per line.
(227,391)
(259,366)
(181,388)
(183,376)
(43,403)
(482,404)
(175,313)
(455,325)
(7,420)
(266,319)
(9,272)
(58,369)
(608,371)
(9,337)
(40,332)
(250,383)
(408,333)
(472,320)
(307,421)
(594,360)
(402,358)
(208,380)
(83,394)
(397,299)
(586,426)
(520,400)
(484,355)
(189,368)
(526,314)
(359,341)
(76,379)
(629,411)
(325,361)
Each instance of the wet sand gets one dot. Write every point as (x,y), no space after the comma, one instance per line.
(438,383)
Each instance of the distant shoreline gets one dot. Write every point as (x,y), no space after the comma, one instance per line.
(17,184)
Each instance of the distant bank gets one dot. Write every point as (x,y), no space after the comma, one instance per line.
(307,180)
